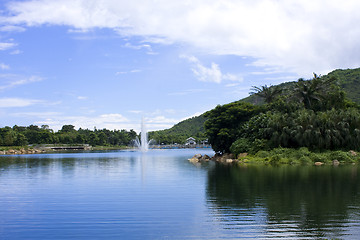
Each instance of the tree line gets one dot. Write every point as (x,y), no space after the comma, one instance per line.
(311,113)
(21,136)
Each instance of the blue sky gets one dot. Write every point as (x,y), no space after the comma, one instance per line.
(105,64)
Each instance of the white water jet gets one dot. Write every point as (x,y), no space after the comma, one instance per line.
(143,143)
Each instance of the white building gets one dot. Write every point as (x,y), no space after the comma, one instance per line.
(190,141)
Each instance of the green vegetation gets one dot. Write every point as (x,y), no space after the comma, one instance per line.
(21,136)
(313,114)
(299,156)
(224,123)
(192,127)
(349,81)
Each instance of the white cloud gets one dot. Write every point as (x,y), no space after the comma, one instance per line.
(4,66)
(17,102)
(15,52)
(160,122)
(10,28)
(135,111)
(82,98)
(18,80)
(304,36)
(112,118)
(131,71)
(6,45)
(209,74)
(147,47)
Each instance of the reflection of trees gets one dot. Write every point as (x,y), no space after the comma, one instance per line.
(315,199)
(67,165)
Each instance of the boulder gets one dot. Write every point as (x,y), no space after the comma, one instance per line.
(318,163)
(335,162)
(353,153)
(194,160)
(198,156)
(205,158)
(229,160)
(228,156)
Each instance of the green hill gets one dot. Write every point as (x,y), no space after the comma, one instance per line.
(192,127)
(348,79)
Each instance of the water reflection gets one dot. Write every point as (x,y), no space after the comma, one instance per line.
(296,202)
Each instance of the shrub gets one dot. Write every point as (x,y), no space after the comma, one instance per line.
(241,145)
(262,154)
(341,156)
(305,160)
(259,145)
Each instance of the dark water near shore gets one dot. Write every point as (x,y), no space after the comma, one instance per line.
(160,195)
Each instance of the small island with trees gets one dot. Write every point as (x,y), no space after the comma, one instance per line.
(307,121)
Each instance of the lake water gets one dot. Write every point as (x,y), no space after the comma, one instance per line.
(161,195)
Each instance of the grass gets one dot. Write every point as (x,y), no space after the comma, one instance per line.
(300,156)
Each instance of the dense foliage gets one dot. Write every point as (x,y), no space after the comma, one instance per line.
(308,113)
(224,123)
(20,136)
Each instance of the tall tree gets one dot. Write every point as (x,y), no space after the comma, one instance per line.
(269,94)
(311,92)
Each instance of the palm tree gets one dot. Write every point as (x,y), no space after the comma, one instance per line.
(311,91)
(269,94)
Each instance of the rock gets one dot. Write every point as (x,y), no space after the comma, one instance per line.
(318,163)
(335,162)
(193,160)
(229,160)
(198,156)
(242,155)
(205,158)
(353,153)
(228,156)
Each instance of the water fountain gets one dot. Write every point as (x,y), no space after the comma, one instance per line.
(143,143)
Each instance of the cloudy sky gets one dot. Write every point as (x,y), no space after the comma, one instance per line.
(107,63)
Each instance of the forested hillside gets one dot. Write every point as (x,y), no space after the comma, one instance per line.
(314,113)
(348,81)
(192,127)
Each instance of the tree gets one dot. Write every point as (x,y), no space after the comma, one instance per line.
(20,140)
(311,92)
(269,94)
(67,128)
(224,122)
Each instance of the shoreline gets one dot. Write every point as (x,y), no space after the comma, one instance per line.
(283,156)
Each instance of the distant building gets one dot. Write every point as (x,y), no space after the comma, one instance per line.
(190,141)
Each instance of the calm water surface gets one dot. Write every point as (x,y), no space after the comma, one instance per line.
(160,195)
